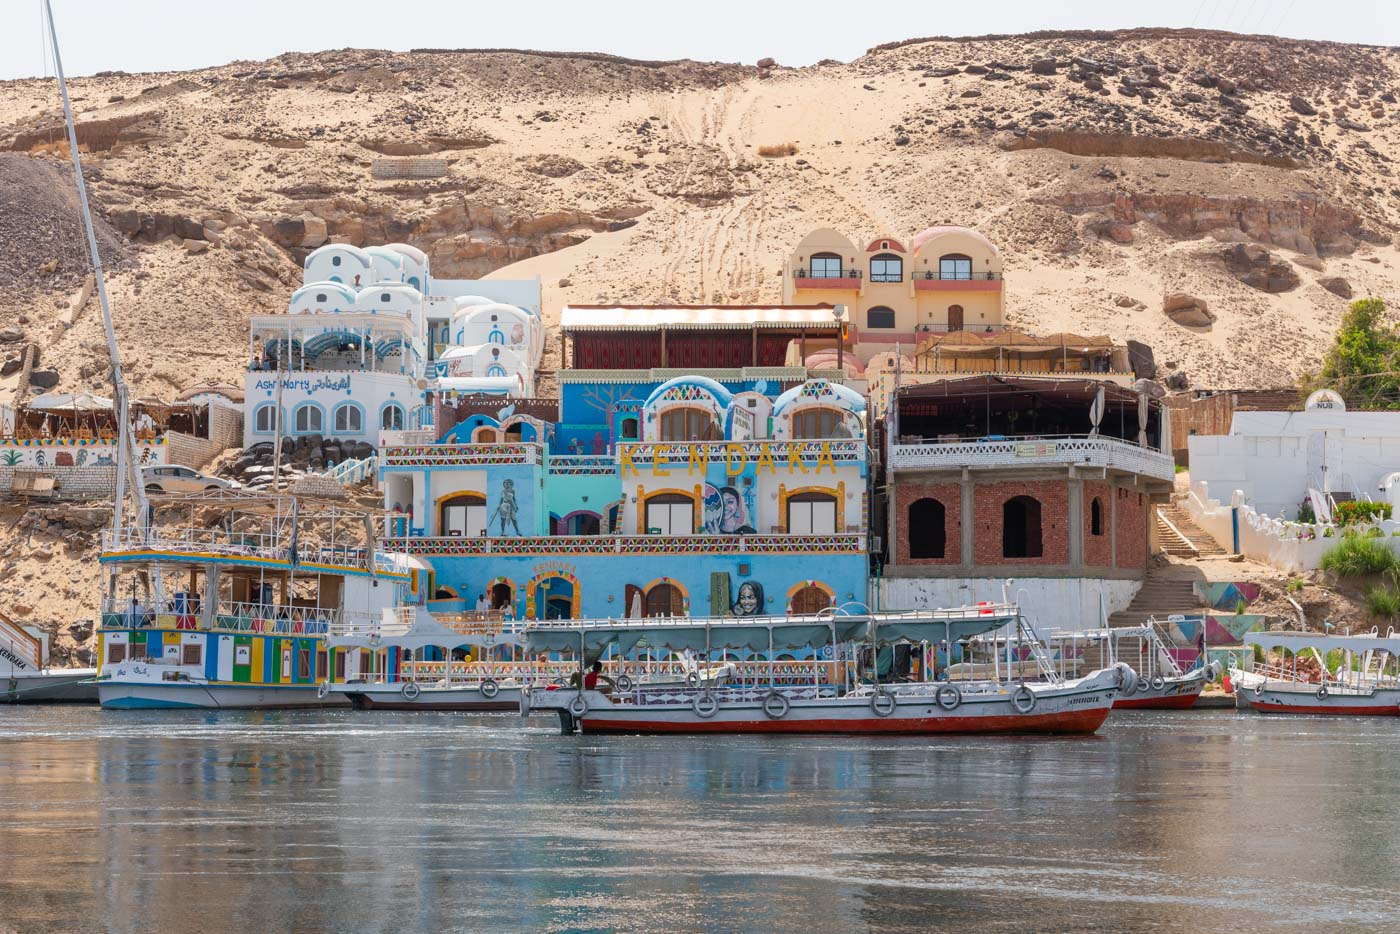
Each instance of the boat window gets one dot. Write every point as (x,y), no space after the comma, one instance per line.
(192,654)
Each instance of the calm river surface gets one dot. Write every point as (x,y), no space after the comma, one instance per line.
(177,821)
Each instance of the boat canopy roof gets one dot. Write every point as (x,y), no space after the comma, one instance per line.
(1295,641)
(416,630)
(761,633)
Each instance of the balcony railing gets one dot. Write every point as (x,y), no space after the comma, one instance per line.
(573,545)
(1034,451)
(229,616)
(801,273)
(203,543)
(930,275)
(437,455)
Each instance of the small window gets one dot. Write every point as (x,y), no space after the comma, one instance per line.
(685,423)
(826,266)
(136,650)
(1096,517)
(628,431)
(670,514)
(386,297)
(335,260)
(116,652)
(349,418)
(817,423)
(955,266)
(307,418)
(265,419)
(811,514)
(879,317)
(191,654)
(391,419)
(887,268)
(320,298)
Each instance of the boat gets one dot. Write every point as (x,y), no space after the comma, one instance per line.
(1161,682)
(1316,673)
(842,691)
(25,675)
(237,616)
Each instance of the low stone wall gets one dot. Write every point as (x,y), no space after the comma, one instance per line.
(73,482)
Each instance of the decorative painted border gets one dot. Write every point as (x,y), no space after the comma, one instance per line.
(850,543)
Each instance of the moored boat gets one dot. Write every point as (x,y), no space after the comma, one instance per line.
(1314,673)
(1162,682)
(845,694)
(25,675)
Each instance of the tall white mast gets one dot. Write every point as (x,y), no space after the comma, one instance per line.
(126,446)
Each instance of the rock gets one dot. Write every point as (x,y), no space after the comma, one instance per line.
(1043,66)
(901,140)
(1187,310)
(996,76)
(1347,123)
(1117,231)
(971,92)
(1226,86)
(1141,361)
(1300,105)
(767,63)
(975,70)
(1308,262)
(43,379)
(1126,301)
(195,246)
(1257,268)
(942,73)
(1178,381)
(11,335)
(11,366)
(1336,285)
(81,630)
(187,228)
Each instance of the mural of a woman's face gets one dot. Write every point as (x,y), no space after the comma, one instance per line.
(749,599)
(733,508)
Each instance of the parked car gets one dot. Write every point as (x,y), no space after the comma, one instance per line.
(172,478)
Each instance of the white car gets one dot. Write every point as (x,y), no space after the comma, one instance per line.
(172,478)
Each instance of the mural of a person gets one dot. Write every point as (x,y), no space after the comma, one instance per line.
(735,520)
(508,509)
(750,599)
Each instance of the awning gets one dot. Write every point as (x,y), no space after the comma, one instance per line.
(70,402)
(654,317)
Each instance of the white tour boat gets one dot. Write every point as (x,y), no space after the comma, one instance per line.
(838,697)
(25,675)
(1161,682)
(1314,673)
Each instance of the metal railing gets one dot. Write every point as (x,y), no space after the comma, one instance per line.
(804,273)
(220,542)
(1030,449)
(839,543)
(229,616)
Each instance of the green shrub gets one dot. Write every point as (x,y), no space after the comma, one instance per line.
(1384,602)
(1355,512)
(1355,556)
(1294,585)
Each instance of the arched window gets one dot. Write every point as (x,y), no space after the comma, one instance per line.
(306,418)
(811,514)
(686,423)
(335,260)
(886,267)
(955,317)
(583,523)
(664,600)
(502,595)
(349,417)
(879,317)
(265,418)
(825,266)
(1096,517)
(391,419)
(818,423)
(463,515)
(628,429)
(484,435)
(955,266)
(1020,528)
(495,369)
(810,600)
(670,514)
(928,529)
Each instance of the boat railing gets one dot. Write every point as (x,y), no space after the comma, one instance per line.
(194,541)
(229,616)
(951,614)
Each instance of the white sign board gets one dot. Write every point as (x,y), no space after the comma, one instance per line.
(1327,400)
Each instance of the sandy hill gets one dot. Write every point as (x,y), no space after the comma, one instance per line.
(1255,173)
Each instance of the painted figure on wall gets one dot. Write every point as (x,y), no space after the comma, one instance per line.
(750,600)
(508,510)
(726,513)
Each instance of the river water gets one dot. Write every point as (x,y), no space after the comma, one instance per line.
(174,821)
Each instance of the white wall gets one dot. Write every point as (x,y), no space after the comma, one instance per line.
(1047,602)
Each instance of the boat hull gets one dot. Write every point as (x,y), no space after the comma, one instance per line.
(1176,694)
(1379,704)
(71,686)
(136,696)
(391,697)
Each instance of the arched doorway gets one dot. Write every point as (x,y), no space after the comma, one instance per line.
(627,429)
(955,317)
(554,597)
(462,515)
(664,600)
(502,595)
(1020,528)
(810,599)
(928,531)
(632,602)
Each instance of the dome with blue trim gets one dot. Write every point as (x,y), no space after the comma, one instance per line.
(819,390)
(675,390)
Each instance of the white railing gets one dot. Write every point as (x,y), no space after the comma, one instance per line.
(1020,452)
(229,616)
(220,542)
(841,543)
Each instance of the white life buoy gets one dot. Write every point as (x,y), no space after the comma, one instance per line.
(705,705)
(776,705)
(948,696)
(323,690)
(1144,685)
(624,683)
(882,702)
(692,678)
(489,688)
(578,706)
(1023,699)
(410,690)
(525,702)
(1158,683)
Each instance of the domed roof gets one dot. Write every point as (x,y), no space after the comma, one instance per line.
(352,250)
(412,252)
(817,388)
(928,233)
(722,396)
(469,312)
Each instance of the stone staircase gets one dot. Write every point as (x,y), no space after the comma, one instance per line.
(1180,537)
(1163,593)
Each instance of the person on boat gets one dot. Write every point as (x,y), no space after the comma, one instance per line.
(592,677)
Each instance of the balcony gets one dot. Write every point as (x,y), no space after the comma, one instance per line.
(681,453)
(170,544)
(972,282)
(461,455)
(1067,451)
(852,543)
(848,279)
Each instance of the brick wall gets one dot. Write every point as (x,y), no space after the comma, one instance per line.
(950,495)
(73,482)
(1098,549)
(225,431)
(988,501)
(1132,528)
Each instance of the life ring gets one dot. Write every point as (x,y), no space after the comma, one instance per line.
(1144,685)
(776,705)
(948,696)
(1322,692)
(410,691)
(692,678)
(322,690)
(1127,681)
(1023,699)
(624,683)
(1259,689)
(882,702)
(489,688)
(578,706)
(705,705)
(1158,683)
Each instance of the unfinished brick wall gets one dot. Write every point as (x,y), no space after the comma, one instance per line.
(950,495)
(1098,549)
(1133,508)
(988,502)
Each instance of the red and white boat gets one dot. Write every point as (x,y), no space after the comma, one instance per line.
(1314,673)
(1161,683)
(843,695)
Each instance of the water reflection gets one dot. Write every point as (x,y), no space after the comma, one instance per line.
(186,822)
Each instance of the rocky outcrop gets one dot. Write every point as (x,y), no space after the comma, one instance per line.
(1336,285)
(1187,310)
(1081,143)
(1257,268)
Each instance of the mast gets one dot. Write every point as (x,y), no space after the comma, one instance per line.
(126,445)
